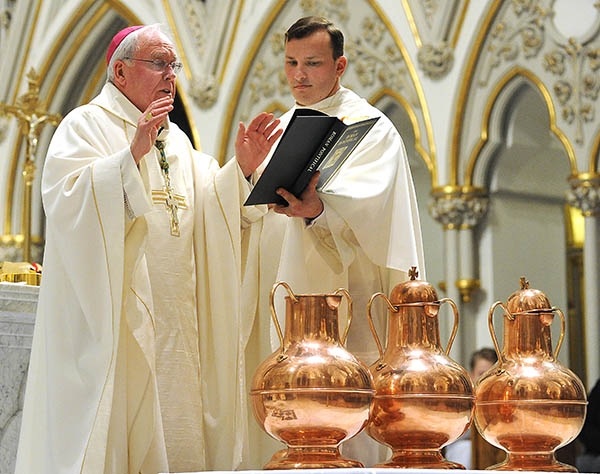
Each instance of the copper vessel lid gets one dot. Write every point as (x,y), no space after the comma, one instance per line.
(413,290)
(527,299)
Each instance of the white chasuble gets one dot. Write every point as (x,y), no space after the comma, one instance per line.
(135,324)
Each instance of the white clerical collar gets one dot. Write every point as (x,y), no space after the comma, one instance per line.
(327,103)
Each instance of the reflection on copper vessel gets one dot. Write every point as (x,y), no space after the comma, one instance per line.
(528,404)
(423,399)
(311,394)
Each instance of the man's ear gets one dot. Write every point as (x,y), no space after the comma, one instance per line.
(340,66)
(119,73)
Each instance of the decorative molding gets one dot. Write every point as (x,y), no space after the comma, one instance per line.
(585,194)
(209,48)
(267,81)
(520,28)
(435,25)
(436,60)
(577,65)
(204,90)
(377,62)
(458,208)
(194,24)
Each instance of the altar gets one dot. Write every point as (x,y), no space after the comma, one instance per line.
(18,303)
(358,471)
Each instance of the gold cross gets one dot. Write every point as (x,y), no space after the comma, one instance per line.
(173,202)
(32,116)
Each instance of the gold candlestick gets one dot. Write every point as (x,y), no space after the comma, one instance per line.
(31,116)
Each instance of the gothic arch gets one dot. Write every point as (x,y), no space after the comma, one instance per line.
(517,38)
(491,136)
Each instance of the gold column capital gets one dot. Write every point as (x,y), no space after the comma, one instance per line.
(458,207)
(585,193)
(466,287)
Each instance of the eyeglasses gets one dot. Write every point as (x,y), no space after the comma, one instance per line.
(160,65)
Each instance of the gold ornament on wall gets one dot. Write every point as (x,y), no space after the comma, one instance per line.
(32,116)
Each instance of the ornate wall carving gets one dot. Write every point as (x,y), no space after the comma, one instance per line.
(584,194)
(205,48)
(436,26)
(521,35)
(577,84)
(459,208)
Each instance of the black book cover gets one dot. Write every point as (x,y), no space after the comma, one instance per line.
(312,141)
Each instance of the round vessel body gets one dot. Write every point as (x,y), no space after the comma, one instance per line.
(528,403)
(421,404)
(312,394)
(423,399)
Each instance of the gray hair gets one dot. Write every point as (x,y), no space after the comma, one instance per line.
(128,48)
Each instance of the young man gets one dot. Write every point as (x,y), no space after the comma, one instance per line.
(362,231)
(138,349)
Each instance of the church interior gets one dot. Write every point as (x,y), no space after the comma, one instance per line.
(495,101)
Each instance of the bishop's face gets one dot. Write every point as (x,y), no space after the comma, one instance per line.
(311,71)
(142,82)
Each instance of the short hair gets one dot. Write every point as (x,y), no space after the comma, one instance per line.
(310,24)
(486,353)
(128,48)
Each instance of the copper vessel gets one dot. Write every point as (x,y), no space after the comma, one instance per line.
(311,394)
(423,399)
(528,403)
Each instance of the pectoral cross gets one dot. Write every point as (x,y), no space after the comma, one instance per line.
(172,202)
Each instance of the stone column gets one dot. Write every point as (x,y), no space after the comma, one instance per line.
(585,195)
(459,209)
(18,304)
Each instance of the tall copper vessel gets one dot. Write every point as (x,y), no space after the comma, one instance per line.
(423,399)
(311,394)
(528,403)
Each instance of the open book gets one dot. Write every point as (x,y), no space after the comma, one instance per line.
(312,141)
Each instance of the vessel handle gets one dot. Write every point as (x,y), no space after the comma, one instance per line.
(455,327)
(562,331)
(372,325)
(345,292)
(512,317)
(491,326)
(274,313)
